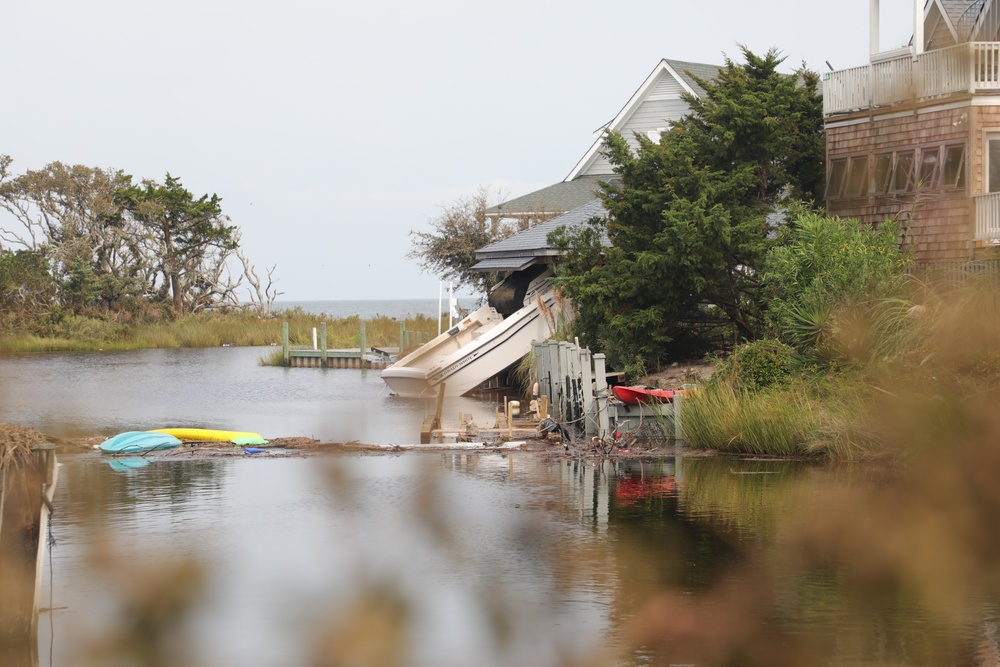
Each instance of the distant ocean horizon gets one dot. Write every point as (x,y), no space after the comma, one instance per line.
(367,309)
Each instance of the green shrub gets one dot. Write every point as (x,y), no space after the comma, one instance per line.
(759,365)
(825,266)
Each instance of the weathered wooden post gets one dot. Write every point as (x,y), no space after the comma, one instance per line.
(541,367)
(601,394)
(364,346)
(322,345)
(402,335)
(565,388)
(284,342)
(552,350)
(678,416)
(587,387)
(27,487)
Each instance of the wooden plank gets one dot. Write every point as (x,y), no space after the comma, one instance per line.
(322,344)
(440,403)
(427,430)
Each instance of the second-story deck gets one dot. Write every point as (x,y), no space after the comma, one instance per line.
(973,67)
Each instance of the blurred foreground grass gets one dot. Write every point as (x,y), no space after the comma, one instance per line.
(747,562)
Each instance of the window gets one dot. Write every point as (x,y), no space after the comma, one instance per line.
(902,172)
(953,169)
(994,164)
(880,174)
(927,170)
(835,182)
(857,177)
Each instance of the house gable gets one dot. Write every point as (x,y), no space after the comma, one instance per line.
(940,20)
(987,22)
(951,22)
(651,110)
(654,106)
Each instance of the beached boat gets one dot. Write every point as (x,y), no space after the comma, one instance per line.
(639,395)
(481,346)
(138,441)
(214,435)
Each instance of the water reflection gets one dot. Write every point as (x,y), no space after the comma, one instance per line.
(461,558)
(124,464)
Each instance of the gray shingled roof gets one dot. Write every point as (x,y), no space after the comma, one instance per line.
(685,70)
(532,245)
(561,197)
(964,16)
(955,9)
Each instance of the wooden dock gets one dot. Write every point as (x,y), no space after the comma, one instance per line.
(350,358)
(318,356)
(506,428)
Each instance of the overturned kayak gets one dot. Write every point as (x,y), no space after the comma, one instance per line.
(214,435)
(138,441)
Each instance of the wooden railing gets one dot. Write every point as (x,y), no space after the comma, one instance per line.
(987,217)
(966,68)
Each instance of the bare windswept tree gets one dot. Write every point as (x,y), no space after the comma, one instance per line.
(449,248)
(262,296)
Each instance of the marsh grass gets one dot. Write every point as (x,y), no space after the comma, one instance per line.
(775,423)
(827,416)
(208,330)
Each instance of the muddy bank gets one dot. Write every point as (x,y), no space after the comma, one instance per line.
(302,446)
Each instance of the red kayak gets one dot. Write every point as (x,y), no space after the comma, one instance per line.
(637,395)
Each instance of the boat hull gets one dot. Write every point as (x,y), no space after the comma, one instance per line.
(478,348)
(466,368)
(131,442)
(641,395)
(214,435)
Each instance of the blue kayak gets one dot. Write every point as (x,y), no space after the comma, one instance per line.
(138,441)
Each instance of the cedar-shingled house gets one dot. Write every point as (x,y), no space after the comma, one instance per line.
(915,133)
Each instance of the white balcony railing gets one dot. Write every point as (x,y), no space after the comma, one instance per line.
(967,68)
(987,217)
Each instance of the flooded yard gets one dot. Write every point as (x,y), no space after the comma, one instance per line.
(488,558)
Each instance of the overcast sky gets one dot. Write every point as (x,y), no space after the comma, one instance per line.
(332,129)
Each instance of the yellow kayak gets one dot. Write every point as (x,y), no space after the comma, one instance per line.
(210,434)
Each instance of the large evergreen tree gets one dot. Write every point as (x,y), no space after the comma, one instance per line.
(691,216)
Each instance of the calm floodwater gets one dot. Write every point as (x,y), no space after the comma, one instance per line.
(103,393)
(456,558)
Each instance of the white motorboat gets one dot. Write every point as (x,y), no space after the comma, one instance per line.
(479,347)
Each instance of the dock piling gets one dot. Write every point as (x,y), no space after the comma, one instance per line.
(284,342)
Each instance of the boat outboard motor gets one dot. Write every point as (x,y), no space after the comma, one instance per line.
(508,296)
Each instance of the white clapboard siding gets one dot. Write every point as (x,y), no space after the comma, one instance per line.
(661,106)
